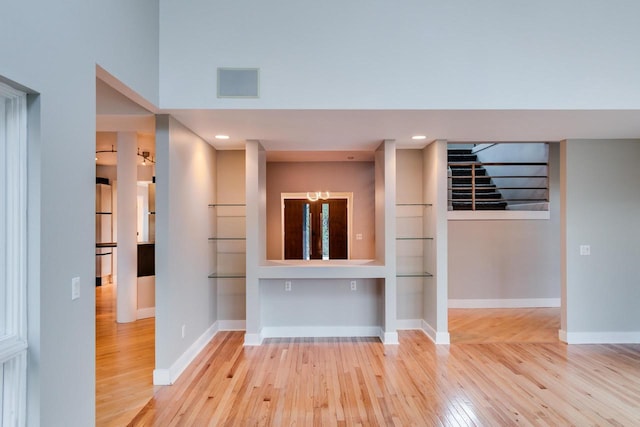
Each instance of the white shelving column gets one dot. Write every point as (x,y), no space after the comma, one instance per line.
(127,257)
(385,197)
(435,225)
(256,235)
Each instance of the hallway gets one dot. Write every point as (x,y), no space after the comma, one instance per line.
(125,358)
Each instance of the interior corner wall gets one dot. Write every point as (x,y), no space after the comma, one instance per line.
(230,173)
(409,189)
(185,186)
(601,207)
(298,177)
(53,53)
(508,259)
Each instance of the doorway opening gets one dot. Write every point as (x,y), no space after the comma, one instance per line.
(316,229)
(125,352)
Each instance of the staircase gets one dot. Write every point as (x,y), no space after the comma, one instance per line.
(487,196)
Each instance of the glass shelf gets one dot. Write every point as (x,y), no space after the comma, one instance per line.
(227,276)
(106,245)
(414,238)
(213,205)
(414,204)
(424,274)
(227,238)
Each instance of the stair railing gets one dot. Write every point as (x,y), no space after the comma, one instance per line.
(505,177)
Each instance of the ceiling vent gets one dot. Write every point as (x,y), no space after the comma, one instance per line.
(238,82)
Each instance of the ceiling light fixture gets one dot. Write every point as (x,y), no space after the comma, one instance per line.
(222,136)
(418,137)
(314,196)
(146,155)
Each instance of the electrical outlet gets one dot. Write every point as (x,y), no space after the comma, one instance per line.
(585,250)
(184,330)
(287,285)
(354,285)
(75,288)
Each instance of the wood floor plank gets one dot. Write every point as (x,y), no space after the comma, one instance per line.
(125,358)
(515,377)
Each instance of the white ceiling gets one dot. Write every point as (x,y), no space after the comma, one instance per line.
(328,130)
(355,133)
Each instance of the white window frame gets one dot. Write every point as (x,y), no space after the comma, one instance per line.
(13,277)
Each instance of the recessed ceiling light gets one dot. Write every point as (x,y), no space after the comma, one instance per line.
(418,137)
(222,136)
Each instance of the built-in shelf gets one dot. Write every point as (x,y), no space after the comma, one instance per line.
(106,245)
(412,258)
(228,238)
(230,217)
(226,276)
(414,238)
(425,274)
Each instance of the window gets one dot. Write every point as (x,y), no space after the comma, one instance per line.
(315,229)
(13,281)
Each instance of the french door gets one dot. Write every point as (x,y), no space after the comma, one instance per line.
(315,229)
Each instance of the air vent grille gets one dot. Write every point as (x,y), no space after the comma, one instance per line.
(238,83)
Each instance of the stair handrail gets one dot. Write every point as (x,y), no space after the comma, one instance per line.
(474,164)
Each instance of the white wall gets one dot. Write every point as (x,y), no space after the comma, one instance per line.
(53,49)
(321,303)
(508,259)
(186,183)
(416,54)
(601,208)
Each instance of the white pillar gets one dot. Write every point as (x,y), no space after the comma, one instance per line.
(127,172)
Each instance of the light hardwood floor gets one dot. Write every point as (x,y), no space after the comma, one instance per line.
(125,356)
(506,325)
(515,380)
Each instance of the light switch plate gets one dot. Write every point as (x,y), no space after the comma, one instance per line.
(75,288)
(585,250)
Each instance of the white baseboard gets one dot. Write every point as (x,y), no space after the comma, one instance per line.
(504,303)
(632,337)
(437,337)
(232,325)
(389,338)
(320,331)
(406,324)
(562,335)
(420,324)
(144,313)
(252,339)
(169,376)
